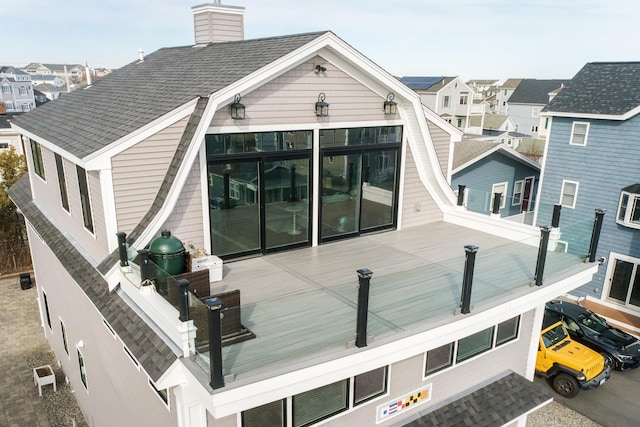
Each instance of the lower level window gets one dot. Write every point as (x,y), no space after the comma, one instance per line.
(320,403)
(507,331)
(439,358)
(83,368)
(271,414)
(370,384)
(474,344)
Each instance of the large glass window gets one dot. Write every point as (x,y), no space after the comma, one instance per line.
(259,191)
(507,330)
(625,280)
(62,182)
(85,201)
(323,402)
(359,180)
(272,414)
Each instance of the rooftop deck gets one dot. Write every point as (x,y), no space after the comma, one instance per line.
(302,304)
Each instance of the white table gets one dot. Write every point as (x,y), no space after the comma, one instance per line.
(43,375)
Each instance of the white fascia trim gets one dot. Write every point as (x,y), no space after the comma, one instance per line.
(236,400)
(101,159)
(48,145)
(181,176)
(625,116)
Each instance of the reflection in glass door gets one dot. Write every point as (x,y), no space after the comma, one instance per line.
(341,184)
(286,200)
(234,207)
(378,188)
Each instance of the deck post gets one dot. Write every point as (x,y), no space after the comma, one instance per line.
(183,299)
(215,342)
(467,278)
(364,279)
(542,254)
(496,203)
(595,234)
(461,189)
(555,218)
(122,248)
(144,266)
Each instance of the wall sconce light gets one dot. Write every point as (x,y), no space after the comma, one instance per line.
(322,108)
(390,106)
(320,69)
(237,109)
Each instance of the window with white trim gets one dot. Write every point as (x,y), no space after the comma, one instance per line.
(629,207)
(45,301)
(452,353)
(535,111)
(85,200)
(569,194)
(369,385)
(320,403)
(579,133)
(446,101)
(162,394)
(38,162)
(516,200)
(64,337)
(534,128)
(82,367)
(464,98)
(499,187)
(271,414)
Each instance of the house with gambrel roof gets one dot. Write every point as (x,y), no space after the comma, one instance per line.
(449,97)
(591,160)
(272,240)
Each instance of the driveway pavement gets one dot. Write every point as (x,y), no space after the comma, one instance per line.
(24,348)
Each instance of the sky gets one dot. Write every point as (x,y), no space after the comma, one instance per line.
(472,39)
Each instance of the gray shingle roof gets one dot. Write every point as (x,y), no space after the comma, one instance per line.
(532,91)
(610,88)
(84,121)
(143,342)
(466,150)
(495,404)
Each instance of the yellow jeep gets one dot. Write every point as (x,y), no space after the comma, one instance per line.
(568,365)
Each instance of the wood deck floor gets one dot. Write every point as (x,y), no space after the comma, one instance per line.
(301,304)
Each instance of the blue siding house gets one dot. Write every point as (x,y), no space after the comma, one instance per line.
(486,168)
(592,161)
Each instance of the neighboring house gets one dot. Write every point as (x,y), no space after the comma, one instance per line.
(9,137)
(592,160)
(484,89)
(293,179)
(503,93)
(450,97)
(74,72)
(528,100)
(491,122)
(50,79)
(16,93)
(51,92)
(486,168)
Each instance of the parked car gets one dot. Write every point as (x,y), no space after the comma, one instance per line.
(620,349)
(568,365)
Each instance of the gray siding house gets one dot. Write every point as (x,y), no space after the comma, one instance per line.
(272,240)
(487,168)
(592,160)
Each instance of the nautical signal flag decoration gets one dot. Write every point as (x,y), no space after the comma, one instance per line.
(408,401)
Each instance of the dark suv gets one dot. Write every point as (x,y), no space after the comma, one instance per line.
(620,349)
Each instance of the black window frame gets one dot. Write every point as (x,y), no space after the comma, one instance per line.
(85,200)
(62,182)
(38,162)
(365,376)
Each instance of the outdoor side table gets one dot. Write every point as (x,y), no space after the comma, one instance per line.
(43,375)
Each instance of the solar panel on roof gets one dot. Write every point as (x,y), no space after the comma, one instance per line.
(420,82)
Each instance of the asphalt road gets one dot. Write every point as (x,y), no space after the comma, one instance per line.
(614,404)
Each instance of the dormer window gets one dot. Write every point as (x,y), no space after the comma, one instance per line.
(629,207)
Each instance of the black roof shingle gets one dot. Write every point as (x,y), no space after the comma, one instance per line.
(607,88)
(533,91)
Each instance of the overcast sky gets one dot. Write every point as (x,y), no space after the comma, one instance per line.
(473,39)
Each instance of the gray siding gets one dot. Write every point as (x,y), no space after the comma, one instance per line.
(522,117)
(139,171)
(479,178)
(442,143)
(418,207)
(48,196)
(117,393)
(291,99)
(186,221)
(608,163)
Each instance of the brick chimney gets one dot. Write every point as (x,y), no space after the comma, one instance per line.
(215,22)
